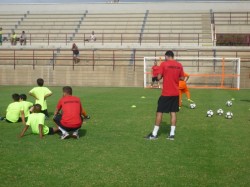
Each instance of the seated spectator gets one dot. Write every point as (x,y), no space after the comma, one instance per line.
(36,122)
(23,38)
(13,38)
(92,37)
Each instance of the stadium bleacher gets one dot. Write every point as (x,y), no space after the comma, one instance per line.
(123,39)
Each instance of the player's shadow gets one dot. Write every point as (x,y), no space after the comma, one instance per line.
(82,132)
(245,100)
(164,129)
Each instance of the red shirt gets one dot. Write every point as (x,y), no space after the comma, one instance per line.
(155,70)
(71,108)
(171,71)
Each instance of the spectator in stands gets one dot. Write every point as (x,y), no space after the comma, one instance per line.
(68,114)
(75,53)
(13,38)
(92,37)
(23,38)
(1,37)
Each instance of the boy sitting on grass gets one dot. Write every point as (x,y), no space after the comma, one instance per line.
(14,112)
(36,122)
(27,106)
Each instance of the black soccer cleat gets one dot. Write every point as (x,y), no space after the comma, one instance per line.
(151,137)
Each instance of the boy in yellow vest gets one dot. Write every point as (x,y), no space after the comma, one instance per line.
(41,93)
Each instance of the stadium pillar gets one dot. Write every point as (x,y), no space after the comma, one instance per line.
(30,38)
(48,38)
(179,38)
(66,38)
(121,38)
(102,38)
(14,59)
(93,58)
(113,60)
(159,39)
(84,38)
(33,59)
(198,39)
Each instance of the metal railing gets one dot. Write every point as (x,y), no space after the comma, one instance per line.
(118,38)
(232,18)
(93,58)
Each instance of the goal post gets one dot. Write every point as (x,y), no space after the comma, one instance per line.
(204,72)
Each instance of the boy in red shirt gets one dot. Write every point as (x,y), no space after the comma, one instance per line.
(70,118)
(155,70)
(171,71)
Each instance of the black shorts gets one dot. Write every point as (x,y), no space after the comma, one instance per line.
(168,104)
(51,131)
(57,120)
(155,79)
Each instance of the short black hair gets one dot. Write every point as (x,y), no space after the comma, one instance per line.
(23,97)
(40,82)
(169,54)
(15,97)
(37,108)
(67,89)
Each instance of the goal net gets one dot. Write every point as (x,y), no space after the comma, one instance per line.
(221,73)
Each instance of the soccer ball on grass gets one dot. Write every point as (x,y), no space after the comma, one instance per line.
(192,105)
(229,115)
(210,113)
(220,112)
(229,103)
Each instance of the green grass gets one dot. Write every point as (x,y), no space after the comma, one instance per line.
(112,152)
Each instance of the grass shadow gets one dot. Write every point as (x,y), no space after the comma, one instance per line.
(245,100)
(164,129)
(82,132)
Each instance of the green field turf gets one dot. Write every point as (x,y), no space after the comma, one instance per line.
(112,151)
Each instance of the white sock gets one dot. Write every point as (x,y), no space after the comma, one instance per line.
(172,130)
(76,131)
(155,131)
(63,131)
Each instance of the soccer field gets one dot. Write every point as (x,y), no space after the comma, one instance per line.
(112,151)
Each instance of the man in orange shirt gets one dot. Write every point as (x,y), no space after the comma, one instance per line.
(184,89)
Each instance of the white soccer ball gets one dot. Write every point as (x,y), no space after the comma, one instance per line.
(192,105)
(210,113)
(220,112)
(229,103)
(229,115)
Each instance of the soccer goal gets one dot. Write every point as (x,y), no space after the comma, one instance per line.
(221,73)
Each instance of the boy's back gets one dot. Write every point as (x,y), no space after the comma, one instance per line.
(13,111)
(26,107)
(40,92)
(36,119)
